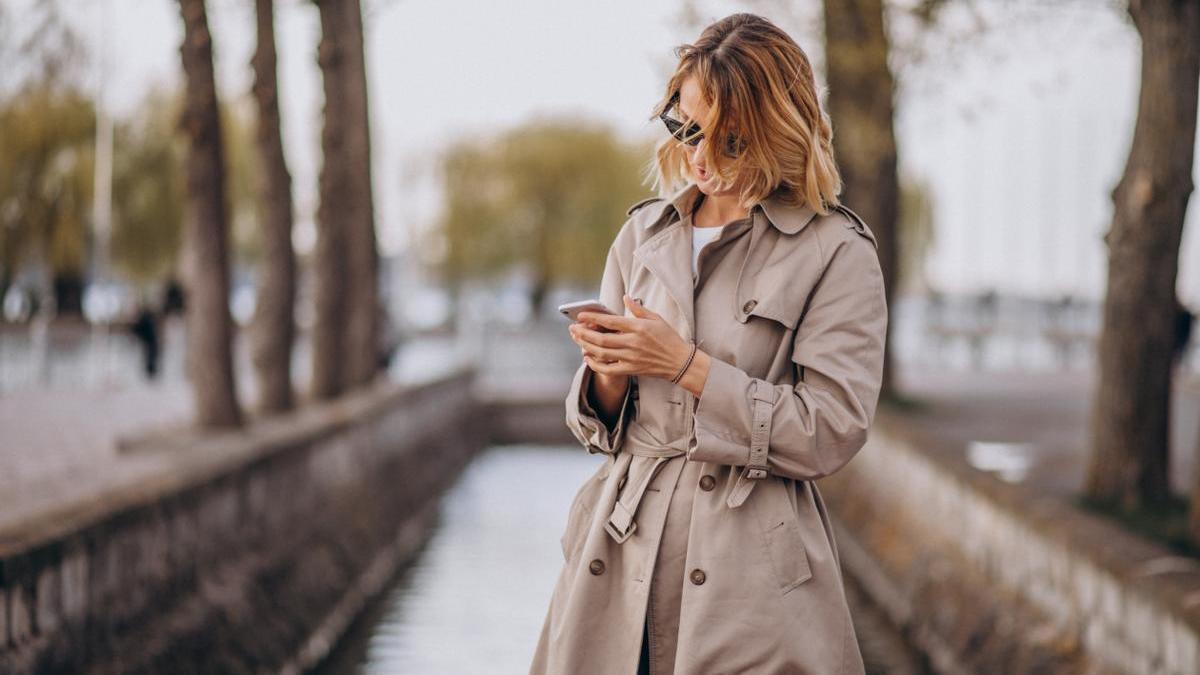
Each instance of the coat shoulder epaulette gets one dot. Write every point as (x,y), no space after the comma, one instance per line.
(644,202)
(855,222)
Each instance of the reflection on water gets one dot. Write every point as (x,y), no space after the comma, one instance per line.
(1010,461)
(475,599)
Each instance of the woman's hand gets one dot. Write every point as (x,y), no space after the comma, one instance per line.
(642,344)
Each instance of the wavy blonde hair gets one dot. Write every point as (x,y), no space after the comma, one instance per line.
(760,88)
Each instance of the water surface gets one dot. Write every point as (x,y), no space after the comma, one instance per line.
(475,598)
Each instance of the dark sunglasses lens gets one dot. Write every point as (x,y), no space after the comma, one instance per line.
(690,135)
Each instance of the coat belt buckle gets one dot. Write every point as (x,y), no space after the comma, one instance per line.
(756,473)
(620,537)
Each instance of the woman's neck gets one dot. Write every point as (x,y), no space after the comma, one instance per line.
(717,211)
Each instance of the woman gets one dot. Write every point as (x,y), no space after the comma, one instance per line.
(722,393)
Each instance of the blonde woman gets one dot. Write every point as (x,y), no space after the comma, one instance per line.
(742,364)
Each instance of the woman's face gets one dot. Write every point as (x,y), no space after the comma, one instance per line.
(692,104)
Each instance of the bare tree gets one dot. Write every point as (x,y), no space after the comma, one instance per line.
(1130,410)
(861,103)
(274,326)
(209,325)
(347,324)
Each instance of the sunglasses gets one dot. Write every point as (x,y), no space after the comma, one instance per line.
(692,135)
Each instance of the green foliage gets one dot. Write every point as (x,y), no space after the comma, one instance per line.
(549,194)
(47,138)
(45,179)
(238,125)
(916,232)
(148,187)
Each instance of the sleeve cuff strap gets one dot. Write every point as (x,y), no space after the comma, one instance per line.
(724,406)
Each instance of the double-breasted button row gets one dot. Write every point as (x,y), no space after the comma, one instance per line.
(707,483)
(596,567)
(698,576)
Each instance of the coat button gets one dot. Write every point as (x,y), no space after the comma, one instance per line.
(707,483)
(597,567)
(750,304)
(698,576)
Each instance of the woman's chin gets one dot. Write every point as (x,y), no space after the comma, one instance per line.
(708,185)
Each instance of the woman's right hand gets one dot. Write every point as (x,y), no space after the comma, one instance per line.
(607,389)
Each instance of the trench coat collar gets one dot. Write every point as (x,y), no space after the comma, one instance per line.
(786,218)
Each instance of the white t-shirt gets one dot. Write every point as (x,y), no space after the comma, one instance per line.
(700,237)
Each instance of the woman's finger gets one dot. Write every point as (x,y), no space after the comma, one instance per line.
(588,352)
(608,354)
(609,368)
(624,324)
(595,337)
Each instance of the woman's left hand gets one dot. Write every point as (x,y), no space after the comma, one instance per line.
(642,344)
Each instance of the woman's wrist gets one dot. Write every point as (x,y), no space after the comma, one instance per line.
(608,392)
(696,374)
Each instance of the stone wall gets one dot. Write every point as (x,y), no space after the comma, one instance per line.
(988,576)
(246,550)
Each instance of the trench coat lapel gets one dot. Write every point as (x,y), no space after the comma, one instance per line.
(667,254)
(668,257)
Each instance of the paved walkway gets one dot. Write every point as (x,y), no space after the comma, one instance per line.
(1033,427)
(57,442)
(65,443)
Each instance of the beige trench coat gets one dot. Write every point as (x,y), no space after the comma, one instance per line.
(704,521)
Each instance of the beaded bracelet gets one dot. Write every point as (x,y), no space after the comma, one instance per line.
(675,380)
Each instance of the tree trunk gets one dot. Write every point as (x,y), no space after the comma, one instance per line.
(274,325)
(861,106)
(347,261)
(345,345)
(1129,418)
(330,269)
(363,323)
(209,326)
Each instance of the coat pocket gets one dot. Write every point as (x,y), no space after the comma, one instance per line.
(579,514)
(781,531)
(574,534)
(788,556)
(761,333)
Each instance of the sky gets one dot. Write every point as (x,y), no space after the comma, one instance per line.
(1020,133)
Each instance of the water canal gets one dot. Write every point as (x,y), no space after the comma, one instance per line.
(473,600)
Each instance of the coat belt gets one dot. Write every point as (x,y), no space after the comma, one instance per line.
(621,524)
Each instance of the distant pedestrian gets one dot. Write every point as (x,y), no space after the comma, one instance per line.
(1184,320)
(173,298)
(145,329)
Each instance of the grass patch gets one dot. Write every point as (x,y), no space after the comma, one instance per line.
(903,404)
(1166,523)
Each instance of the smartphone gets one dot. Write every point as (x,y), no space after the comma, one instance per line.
(571,310)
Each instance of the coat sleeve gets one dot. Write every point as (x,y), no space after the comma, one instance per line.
(815,427)
(583,421)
